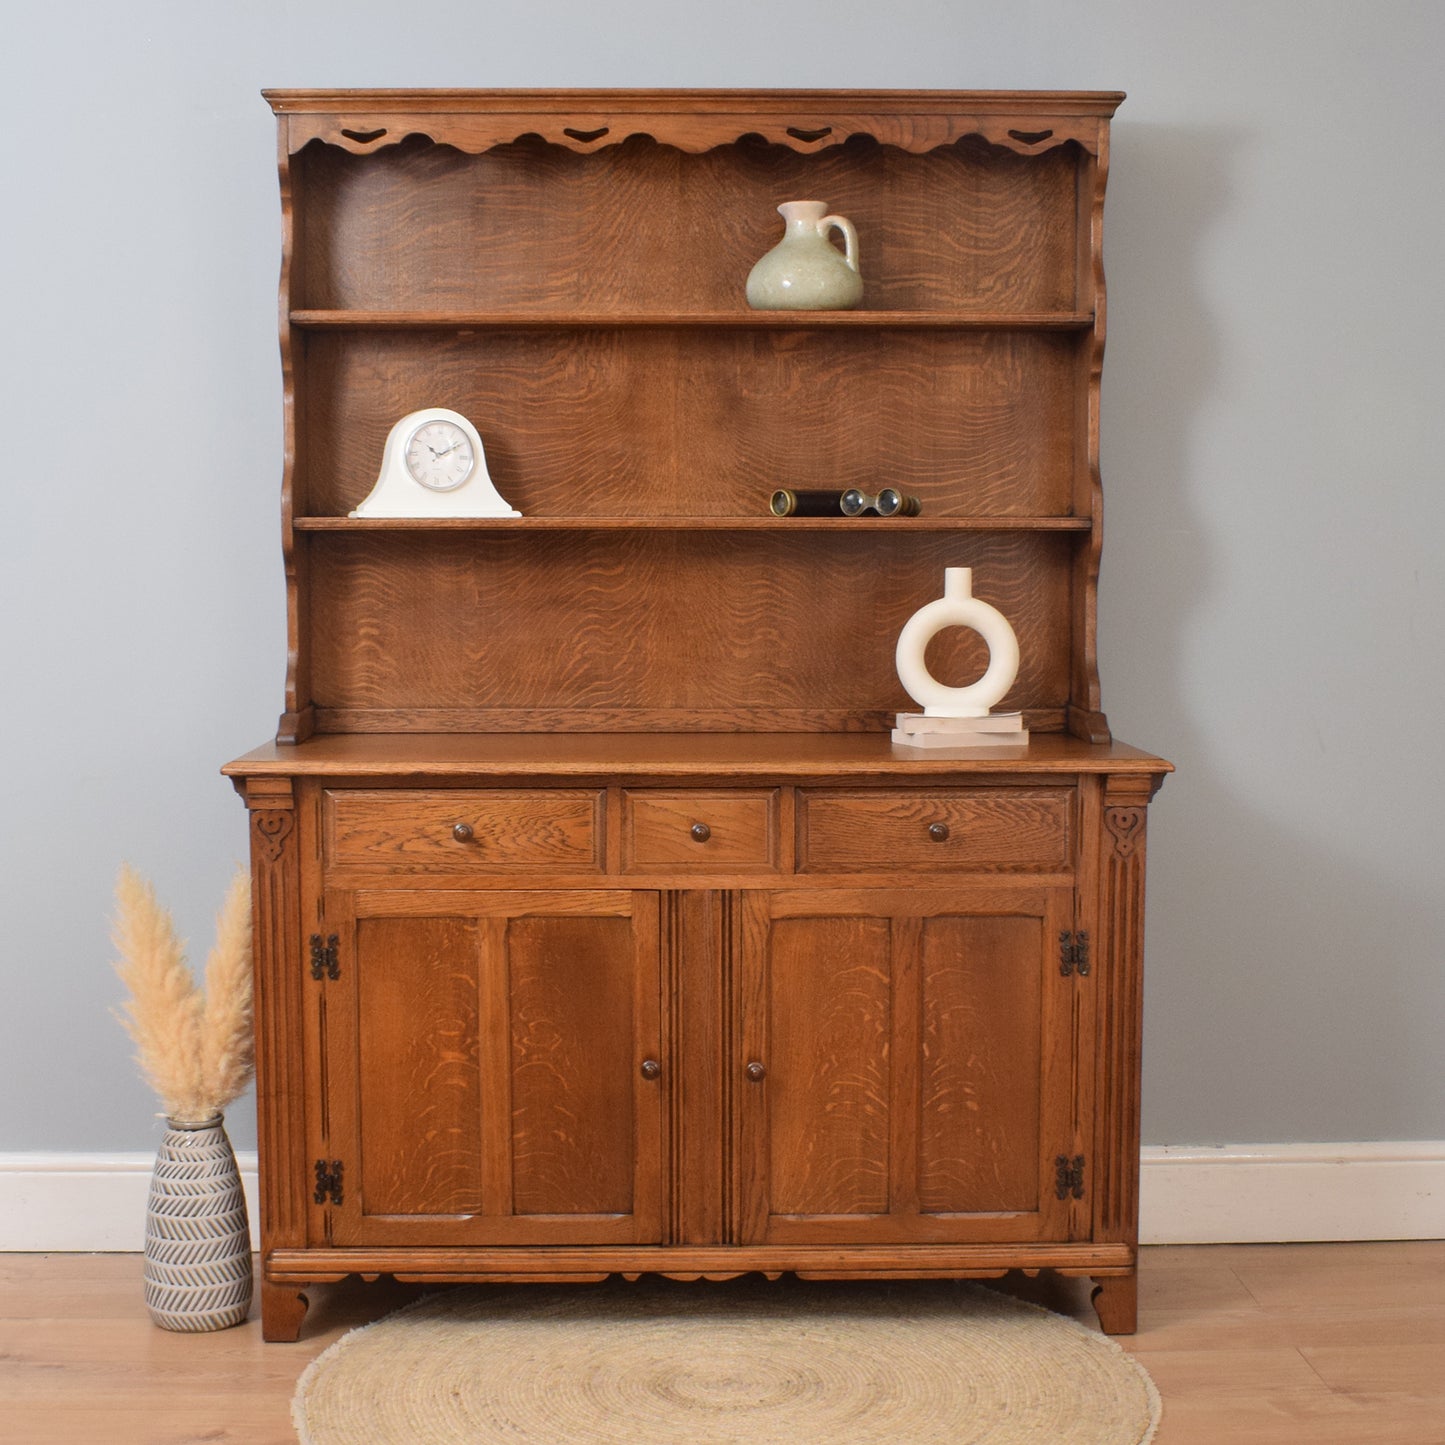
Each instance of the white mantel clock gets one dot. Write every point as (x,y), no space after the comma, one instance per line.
(434,466)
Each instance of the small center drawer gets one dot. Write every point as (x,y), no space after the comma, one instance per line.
(467,830)
(700,832)
(890,828)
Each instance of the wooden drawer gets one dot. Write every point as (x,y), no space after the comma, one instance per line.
(700,832)
(468,831)
(917,831)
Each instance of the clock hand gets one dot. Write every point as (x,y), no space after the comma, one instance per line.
(448,451)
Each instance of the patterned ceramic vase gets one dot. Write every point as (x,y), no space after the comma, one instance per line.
(198,1238)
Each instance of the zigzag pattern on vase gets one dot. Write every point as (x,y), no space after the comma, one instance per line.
(193,1274)
(183,1241)
(197,1247)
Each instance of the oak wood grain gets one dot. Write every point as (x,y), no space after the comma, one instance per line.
(969,379)
(360,319)
(365,122)
(573,1046)
(981,1048)
(700,831)
(501,830)
(418,1077)
(531,224)
(826,1093)
(862,1127)
(929,830)
(440,622)
(547,1130)
(707,422)
(696,756)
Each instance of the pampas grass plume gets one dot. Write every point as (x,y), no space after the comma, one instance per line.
(193,1049)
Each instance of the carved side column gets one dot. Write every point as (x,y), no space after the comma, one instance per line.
(280,1103)
(1120,976)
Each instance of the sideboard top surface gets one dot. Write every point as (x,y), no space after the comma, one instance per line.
(798,755)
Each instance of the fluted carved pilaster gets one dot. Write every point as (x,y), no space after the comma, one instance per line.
(275,882)
(1122,917)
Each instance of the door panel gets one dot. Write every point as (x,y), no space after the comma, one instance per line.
(420,1091)
(483,1067)
(828,1005)
(918,1073)
(572,1081)
(979,1068)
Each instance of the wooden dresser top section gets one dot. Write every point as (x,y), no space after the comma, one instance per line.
(363,121)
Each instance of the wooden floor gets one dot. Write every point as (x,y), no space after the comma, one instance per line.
(1277,1344)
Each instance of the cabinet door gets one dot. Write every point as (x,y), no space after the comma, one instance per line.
(484,1079)
(908,1066)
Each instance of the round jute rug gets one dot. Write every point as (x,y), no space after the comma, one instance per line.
(748,1363)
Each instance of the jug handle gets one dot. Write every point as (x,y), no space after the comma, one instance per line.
(850,237)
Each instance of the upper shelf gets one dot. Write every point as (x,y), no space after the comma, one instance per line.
(359,320)
(1028,122)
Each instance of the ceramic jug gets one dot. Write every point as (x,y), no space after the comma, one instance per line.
(805,271)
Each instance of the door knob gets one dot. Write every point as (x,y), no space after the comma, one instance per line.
(701,832)
(938,832)
(651,1069)
(462,832)
(756,1072)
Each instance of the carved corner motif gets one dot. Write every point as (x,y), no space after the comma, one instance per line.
(270,830)
(1126,827)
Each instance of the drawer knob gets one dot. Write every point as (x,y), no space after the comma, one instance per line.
(462,832)
(651,1069)
(938,832)
(756,1072)
(701,832)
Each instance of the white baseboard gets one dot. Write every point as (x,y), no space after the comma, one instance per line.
(86,1203)
(1238,1194)
(1285,1193)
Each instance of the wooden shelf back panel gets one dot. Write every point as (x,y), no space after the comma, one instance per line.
(644,227)
(666,628)
(685,423)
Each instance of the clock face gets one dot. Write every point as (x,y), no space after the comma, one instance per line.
(439,456)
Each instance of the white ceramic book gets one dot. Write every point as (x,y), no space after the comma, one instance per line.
(994,722)
(959,740)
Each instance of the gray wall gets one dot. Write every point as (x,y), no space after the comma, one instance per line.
(1272,601)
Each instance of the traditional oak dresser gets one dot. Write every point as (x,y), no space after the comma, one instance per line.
(599,926)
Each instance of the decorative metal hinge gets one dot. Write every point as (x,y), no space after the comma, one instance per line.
(324,960)
(328,1182)
(1074,953)
(1070,1178)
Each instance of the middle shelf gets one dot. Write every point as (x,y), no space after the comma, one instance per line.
(359,320)
(692,524)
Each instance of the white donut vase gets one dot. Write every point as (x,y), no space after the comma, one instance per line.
(958,607)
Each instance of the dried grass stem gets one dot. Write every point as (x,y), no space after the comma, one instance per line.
(194,1049)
